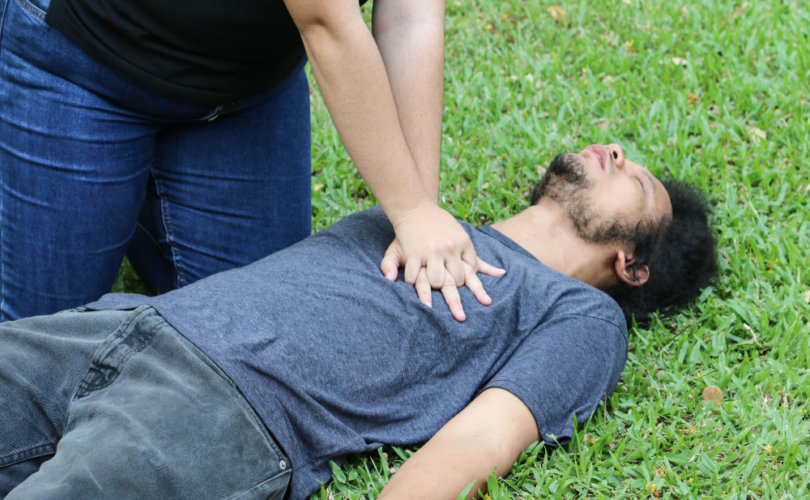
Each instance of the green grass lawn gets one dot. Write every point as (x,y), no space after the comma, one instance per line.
(713,92)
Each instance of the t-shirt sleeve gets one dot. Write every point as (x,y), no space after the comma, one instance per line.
(564,368)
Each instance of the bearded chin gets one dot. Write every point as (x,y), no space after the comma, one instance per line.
(564,180)
(568,167)
(566,184)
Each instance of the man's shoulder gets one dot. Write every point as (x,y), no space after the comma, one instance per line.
(577,300)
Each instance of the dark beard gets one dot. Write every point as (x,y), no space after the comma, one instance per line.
(565,183)
(565,175)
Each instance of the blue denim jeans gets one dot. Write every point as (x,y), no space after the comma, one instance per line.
(118,404)
(93,167)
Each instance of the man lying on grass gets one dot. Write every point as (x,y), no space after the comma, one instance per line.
(246,384)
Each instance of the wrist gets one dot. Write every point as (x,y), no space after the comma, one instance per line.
(398,213)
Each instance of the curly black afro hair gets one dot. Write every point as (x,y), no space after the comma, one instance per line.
(680,253)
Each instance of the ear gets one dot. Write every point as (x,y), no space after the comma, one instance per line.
(628,272)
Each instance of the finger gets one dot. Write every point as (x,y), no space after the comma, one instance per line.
(451,297)
(489,269)
(390,265)
(477,288)
(392,260)
(423,288)
(412,267)
(455,267)
(435,272)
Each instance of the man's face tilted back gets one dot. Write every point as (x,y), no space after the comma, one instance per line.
(604,194)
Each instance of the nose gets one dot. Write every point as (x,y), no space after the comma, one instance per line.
(617,154)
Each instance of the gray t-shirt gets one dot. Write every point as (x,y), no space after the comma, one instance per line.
(337,360)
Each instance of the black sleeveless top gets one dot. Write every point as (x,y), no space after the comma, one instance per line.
(203,52)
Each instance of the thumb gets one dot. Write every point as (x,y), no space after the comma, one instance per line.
(391,262)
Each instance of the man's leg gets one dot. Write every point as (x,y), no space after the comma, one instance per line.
(42,361)
(154,418)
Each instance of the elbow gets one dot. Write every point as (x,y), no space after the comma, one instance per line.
(408,17)
(330,16)
(313,26)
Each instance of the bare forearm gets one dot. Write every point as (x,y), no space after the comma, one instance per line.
(353,81)
(441,473)
(488,435)
(410,36)
(386,107)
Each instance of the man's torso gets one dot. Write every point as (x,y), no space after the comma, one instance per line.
(336,359)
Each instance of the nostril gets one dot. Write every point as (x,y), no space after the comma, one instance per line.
(615,155)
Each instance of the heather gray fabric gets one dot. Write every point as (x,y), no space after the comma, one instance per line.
(338,360)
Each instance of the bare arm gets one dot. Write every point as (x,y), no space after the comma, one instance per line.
(410,36)
(490,433)
(351,74)
(387,110)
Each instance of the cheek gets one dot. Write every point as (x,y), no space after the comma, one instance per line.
(621,199)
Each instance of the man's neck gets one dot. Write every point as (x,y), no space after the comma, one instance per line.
(547,233)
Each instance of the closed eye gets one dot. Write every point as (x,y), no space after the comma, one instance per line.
(640,183)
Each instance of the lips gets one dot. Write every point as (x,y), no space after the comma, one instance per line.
(602,153)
